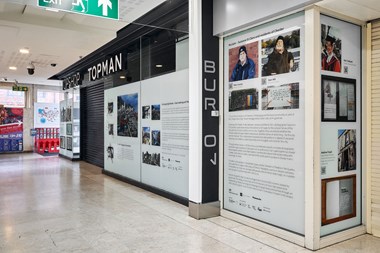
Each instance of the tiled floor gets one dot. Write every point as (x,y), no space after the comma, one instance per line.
(48,204)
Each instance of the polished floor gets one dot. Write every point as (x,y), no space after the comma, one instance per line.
(49,204)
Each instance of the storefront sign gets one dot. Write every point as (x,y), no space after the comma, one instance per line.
(105,68)
(210,107)
(72,81)
(99,8)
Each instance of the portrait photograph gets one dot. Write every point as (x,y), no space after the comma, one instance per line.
(281,54)
(146,112)
(243,62)
(331,46)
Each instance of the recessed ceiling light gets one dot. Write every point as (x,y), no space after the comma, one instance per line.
(24,50)
(13,68)
(122,77)
(159,66)
(51,9)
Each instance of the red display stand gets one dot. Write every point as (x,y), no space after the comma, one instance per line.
(47,140)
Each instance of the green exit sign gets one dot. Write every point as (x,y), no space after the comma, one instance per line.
(19,88)
(99,8)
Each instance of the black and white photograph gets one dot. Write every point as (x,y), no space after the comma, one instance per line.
(346,150)
(281,54)
(146,135)
(151,158)
(156,137)
(156,112)
(110,129)
(69,143)
(110,107)
(146,112)
(127,115)
(110,152)
(338,199)
(285,96)
(338,99)
(246,99)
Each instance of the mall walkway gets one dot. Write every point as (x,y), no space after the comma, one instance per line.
(48,204)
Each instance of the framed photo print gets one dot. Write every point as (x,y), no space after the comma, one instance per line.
(62,142)
(69,129)
(338,99)
(338,199)
(69,143)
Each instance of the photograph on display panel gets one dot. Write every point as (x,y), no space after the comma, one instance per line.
(146,112)
(338,99)
(146,135)
(127,115)
(281,54)
(156,112)
(338,199)
(69,143)
(156,137)
(62,142)
(246,99)
(243,62)
(110,107)
(280,97)
(69,129)
(331,45)
(151,158)
(346,150)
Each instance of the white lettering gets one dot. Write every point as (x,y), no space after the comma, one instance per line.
(105,68)
(209,66)
(118,62)
(111,66)
(210,89)
(212,144)
(99,68)
(213,161)
(212,104)
(93,73)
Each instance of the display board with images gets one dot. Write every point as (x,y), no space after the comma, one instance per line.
(150,142)
(46,115)
(340,125)
(264,123)
(11,129)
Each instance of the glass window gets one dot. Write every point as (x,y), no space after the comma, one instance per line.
(10,98)
(54,97)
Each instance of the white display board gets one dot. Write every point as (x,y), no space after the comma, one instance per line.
(340,125)
(122,121)
(46,115)
(146,133)
(264,129)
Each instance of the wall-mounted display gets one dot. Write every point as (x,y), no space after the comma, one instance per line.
(338,99)
(264,125)
(127,115)
(340,141)
(11,129)
(338,199)
(46,115)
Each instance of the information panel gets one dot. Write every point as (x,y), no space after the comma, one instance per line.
(340,125)
(264,123)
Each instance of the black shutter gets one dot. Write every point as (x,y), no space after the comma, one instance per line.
(92,124)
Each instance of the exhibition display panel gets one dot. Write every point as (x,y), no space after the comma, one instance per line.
(264,123)
(146,132)
(277,159)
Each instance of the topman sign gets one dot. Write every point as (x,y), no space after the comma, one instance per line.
(99,8)
(105,68)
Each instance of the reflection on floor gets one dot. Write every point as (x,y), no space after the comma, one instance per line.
(48,204)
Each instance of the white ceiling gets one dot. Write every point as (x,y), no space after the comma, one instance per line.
(62,37)
(55,37)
